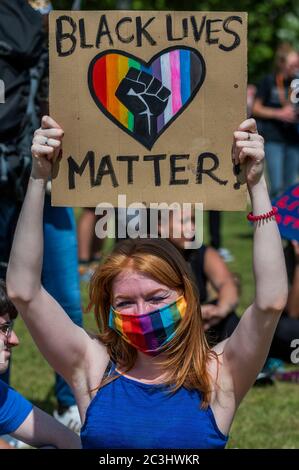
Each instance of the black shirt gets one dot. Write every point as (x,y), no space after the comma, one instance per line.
(196,259)
(273,129)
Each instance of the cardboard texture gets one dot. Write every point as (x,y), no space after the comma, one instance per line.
(148,102)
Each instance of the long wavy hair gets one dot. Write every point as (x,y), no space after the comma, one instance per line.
(186,356)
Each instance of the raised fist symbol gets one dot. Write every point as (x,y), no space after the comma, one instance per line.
(146,98)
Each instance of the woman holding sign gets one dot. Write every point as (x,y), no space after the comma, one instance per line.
(165,388)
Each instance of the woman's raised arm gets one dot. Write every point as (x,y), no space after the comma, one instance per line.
(245,352)
(66,346)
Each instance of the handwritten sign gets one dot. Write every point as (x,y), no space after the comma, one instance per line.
(148,102)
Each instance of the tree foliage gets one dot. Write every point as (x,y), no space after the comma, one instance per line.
(269,22)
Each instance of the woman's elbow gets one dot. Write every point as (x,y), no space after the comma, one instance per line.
(18,294)
(274,306)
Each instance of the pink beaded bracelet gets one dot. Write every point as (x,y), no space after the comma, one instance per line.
(267,215)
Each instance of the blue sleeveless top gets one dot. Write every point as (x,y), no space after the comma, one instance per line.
(127,414)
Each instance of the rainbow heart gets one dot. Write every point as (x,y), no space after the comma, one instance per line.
(144,98)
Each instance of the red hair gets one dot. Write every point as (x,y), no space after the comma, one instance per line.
(186,357)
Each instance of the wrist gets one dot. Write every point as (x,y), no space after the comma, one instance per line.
(39,173)
(41,169)
(223,309)
(276,113)
(39,179)
(258,187)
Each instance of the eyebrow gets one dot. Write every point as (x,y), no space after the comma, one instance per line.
(149,294)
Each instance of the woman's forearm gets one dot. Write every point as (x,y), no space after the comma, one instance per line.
(26,258)
(25,264)
(268,259)
(41,430)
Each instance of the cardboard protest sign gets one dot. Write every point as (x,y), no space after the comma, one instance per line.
(288,213)
(148,102)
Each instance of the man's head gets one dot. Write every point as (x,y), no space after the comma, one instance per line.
(180,228)
(8,338)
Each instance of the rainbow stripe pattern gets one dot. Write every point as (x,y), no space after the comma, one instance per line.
(149,332)
(181,70)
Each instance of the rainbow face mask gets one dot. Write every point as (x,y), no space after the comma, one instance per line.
(151,331)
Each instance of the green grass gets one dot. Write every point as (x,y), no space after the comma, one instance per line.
(267,418)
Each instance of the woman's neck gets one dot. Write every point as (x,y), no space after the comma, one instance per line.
(146,369)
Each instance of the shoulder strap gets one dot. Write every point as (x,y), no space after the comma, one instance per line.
(111,368)
(36,74)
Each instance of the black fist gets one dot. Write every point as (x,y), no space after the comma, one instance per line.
(146,98)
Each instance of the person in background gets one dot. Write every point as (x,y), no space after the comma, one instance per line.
(89,246)
(18,416)
(288,325)
(251,92)
(278,120)
(209,270)
(287,331)
(85,230)
(216,236)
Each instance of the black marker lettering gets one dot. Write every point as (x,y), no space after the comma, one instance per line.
(117,28)
(198,32)
(106,168)
(141,31)
(82,31)
(175,169)
(208,171)
(62,36)
(209,32)
(169,29)
(156,159)
(103,30)
(237,41)
(129,159)
(75,168)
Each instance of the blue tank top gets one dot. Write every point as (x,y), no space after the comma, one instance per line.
(127,414)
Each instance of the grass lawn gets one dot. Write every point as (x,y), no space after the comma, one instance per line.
(267,418)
